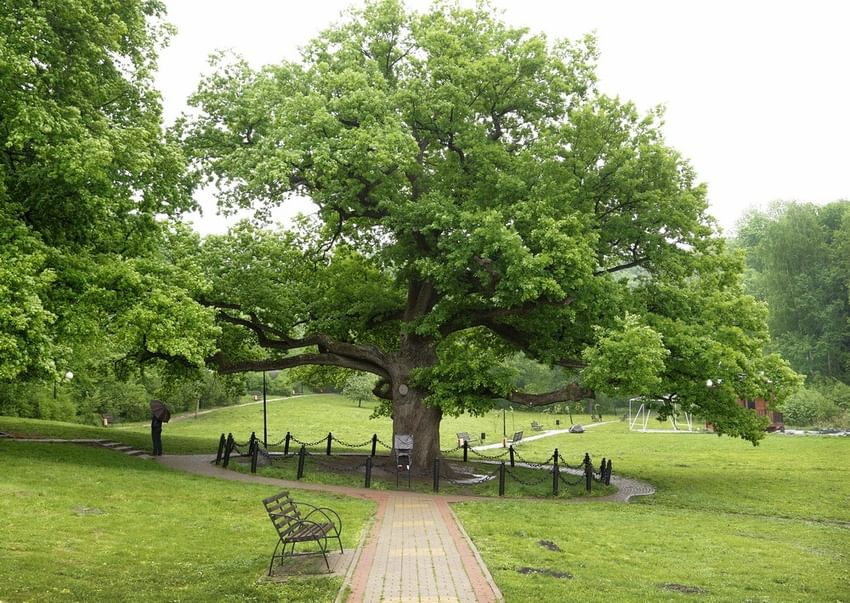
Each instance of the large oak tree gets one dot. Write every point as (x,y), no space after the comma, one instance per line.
(476,196)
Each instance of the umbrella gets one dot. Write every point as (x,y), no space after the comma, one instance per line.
(160,411)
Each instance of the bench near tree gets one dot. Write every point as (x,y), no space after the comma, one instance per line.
(318,525)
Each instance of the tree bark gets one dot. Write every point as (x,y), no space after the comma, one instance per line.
(411,416)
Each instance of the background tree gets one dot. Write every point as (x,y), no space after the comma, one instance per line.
(797,261)
(86,178)
(477,197)
(359,387)
(797,256)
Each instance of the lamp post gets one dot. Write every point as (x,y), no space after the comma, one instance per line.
(265,422)
(67,377)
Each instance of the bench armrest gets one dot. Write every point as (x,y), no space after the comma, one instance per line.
(324,512)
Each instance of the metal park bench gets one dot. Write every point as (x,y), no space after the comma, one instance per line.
(535,426)
(517,437)
(317,525)
(462,437)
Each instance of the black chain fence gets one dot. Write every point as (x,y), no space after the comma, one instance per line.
(520,470)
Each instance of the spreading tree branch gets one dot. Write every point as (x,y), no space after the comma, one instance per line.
(569,393)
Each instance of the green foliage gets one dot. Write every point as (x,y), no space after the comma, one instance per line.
(26,345)
(86,179)
(359,387)
(476,197)
(804,407)
(797,256)
(470,373)
(626,360)
(817,406)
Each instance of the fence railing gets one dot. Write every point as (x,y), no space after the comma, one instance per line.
(555,468)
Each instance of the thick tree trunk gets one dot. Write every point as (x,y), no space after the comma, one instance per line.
(411,416)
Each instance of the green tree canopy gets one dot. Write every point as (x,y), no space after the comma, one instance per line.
(798,256)
(86,173)
(477,197)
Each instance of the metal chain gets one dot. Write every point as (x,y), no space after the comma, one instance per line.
(455,449)
(533,465)
(384,444)
(567,482)
(524,482)
(566,464)
(484,456)
(348,445)
(319,441)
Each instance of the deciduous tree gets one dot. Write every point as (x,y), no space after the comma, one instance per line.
(86,173)
(477,196)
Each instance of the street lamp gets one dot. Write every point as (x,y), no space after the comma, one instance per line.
(67,376)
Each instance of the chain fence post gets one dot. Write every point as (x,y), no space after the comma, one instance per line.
(588,472)
(608,473)
(555,474)
(286,444)
(465,450)
(301,454)
(251,441)
(330,439)
(228,447)
(254,453)
(374,443)
(368,483)
(437,474)
(502,479)
(221,442)
(511,451)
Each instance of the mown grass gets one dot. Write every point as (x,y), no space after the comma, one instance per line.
(730,522)
(88,524)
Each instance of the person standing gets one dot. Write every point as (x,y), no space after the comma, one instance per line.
(156,435)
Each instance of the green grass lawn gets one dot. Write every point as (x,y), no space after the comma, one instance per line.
(88,524)
(730,522)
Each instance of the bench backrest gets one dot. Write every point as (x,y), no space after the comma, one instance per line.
(282,511)
(517,436)
(463,436)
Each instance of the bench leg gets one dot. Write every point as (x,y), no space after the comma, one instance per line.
(271,563)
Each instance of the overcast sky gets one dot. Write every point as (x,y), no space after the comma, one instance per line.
(757,93)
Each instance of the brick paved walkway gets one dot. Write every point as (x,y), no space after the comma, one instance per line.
(416,551)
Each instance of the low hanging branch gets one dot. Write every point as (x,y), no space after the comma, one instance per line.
(226,366)
(569,393)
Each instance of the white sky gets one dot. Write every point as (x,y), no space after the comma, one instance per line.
(757,92)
